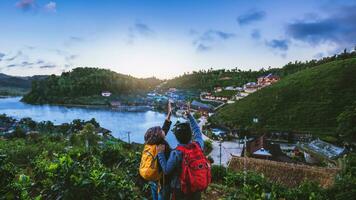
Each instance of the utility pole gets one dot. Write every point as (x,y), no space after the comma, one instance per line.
(220,152)
(128,137)
(220,168)
(245,150)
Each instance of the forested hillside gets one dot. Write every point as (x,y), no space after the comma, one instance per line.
(208,79)
(15,85)
(307,101)
(85,82)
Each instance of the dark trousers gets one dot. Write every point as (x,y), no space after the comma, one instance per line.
(179,195)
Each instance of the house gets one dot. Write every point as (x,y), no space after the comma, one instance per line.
(239,89)
(251,87)
(263,149)
(201,107)
(213,97)
(242,94)
(264,81)
(151,94)
(172,89)
(218,89)
(318,150)
(106,94)
(230,88)
(115,103)
(103,132)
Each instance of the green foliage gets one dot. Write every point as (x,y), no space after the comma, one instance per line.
(81,176)
(50,167)
(208,79)
(85,82)
(218,173)
(306,101)
(197,115)
(51,170)
(16,86)
(88,135)
(347,123)
(251,185)
(13,91)
(112,155)
(345,183)
(208,147)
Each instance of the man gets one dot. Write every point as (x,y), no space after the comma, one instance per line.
(173,166)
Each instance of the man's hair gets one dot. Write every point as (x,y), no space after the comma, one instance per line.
(183,132)
(154,136)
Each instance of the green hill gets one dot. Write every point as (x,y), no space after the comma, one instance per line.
(208,79)
(306,101)
(16,85)
(82,85)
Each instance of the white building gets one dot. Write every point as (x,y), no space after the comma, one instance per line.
(105,94)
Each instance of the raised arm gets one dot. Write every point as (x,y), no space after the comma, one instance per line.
(166,126)
(197,134)
(167,123)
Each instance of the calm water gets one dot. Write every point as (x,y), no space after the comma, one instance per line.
(118,122)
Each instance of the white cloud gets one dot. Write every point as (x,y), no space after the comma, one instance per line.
(51,7)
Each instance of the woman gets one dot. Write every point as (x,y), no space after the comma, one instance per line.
(156,136)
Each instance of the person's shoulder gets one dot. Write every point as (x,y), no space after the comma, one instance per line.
(176,151)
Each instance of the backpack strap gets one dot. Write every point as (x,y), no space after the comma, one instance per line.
(182,148)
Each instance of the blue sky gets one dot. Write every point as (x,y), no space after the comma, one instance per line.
(167,38)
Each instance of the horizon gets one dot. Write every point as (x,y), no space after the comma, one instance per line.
(167,39)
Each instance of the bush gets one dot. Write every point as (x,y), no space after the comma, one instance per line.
(208,147)
(345,183)
(218,173)
(111,156)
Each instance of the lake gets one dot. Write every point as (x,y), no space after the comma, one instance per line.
(120,123)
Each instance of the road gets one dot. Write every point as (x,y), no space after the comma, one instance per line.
(217,101)
(228,148)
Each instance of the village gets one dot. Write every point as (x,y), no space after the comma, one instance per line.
(286,147)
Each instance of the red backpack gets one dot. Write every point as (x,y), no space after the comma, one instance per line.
(196,173)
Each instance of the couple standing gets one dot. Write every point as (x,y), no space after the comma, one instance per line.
(180,173)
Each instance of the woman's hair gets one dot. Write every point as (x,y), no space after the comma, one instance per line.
(154,135)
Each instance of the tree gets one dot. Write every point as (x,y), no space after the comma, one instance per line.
(89,135)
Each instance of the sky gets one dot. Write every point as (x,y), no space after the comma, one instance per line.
(166,38)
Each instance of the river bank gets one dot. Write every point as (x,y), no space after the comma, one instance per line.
(119,122)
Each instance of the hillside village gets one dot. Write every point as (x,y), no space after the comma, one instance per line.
(286,147)
(230,93)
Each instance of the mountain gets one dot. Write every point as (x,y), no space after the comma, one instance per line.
(16,85)
(16,81)
(307,101)
(86,83)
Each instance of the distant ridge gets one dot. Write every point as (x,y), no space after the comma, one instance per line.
(18,81)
